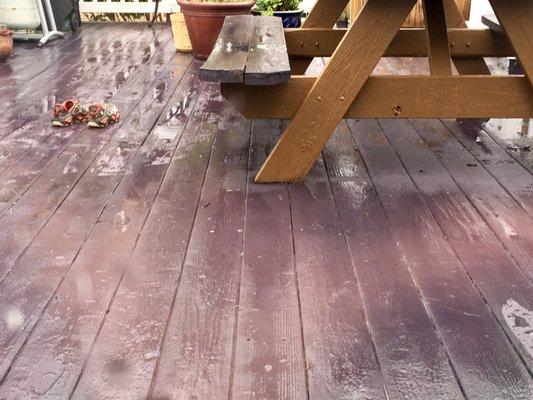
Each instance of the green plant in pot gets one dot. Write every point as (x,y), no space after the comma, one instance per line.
(287,10)
(204,20)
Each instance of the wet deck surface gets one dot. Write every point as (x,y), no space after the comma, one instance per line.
(140,261)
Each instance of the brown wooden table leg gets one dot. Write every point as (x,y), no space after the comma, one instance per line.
(516,19)
(323,15)
(440,63)
(334,91)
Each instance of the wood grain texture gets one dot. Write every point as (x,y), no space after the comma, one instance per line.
(517,180)
(47,144)
(227,61)
(269,358)
(268,61)
(515,18)
(128,345)
(199,339)
(334,91)
(341,362)
(437,38)
(510,223)
(43,198)
(382,306)
(78,282)
(482,357)
(515,136)
(411,356)
(395,97)
(498,278)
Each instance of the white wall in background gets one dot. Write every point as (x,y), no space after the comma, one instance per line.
(479,8)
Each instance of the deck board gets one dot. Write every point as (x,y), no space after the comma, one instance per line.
(141,261)
(269,351)
(196,353)
(505,216)
(340,356)
(512,176)
(104,247)
(410,353)
(498,278)
(98,153)
(145,295)
(455,305)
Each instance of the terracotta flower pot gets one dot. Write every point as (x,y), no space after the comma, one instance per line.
(6,43)
(204,21)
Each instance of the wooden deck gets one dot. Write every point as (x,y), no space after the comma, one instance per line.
(140,261)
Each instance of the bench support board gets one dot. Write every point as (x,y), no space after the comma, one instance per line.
(398,97)
(322,42)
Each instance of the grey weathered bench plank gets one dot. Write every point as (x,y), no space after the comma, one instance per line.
(492,23)
(268,60)
(228,58)
(249,50)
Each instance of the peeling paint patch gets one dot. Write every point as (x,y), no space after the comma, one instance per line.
(509,230)
(520,321)
(111,165)
(161,160)
(13,319)
(70,167)
(121,221)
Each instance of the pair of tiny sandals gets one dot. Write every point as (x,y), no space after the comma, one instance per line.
(96,115)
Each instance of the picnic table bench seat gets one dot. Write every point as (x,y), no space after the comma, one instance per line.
(250,50)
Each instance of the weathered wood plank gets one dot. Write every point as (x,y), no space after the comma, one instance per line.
(40,202)
(32,132)
(268,61)
(103,47)
(515,136)
(199,337)
(492,22)
(133,330)
(397,97)
(341,362)
(495,274)
(517,180)
(75,281)
(482,357)
(508,220)
(227,61)
(269,358)
(410,353)
(337,87)
(21,64)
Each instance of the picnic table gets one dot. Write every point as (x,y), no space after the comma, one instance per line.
(261,70)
